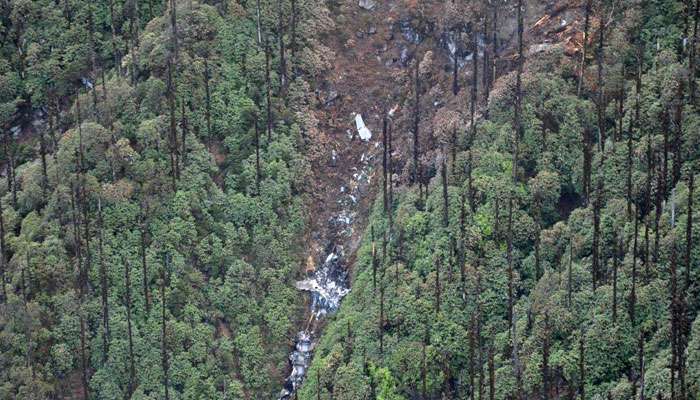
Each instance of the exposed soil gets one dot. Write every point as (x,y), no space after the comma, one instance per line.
(368,77)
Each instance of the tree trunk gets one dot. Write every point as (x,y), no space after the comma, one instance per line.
(486,78)
(629,171)
(438,293)
(676,347)
(375,261)
(116,53)
(11,181)
(103,285)
(570,277)
(492,375)
(416,122)
(293,39)
(83,354)
(280,34)
(545,360)
(475,63)
(132,369)
(184,131)
(584,46)
(207,110)
(688,230)
(677,142)
(633,290)
(381,315)
(3,263)
(257,155)
(384,164)
(445,199)
(601,94)
(390,171)
(93,61)
(268,97)
(173,28)
(647,207)
(174,168)
(619,253)
(455,73)
(693,50)
(258,23)
(164,344)
(472,362)
(424,368)
(582,368)
(44,173)
(641,364)
(144,266)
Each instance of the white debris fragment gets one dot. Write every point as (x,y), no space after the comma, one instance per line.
(362,129)
(367,4)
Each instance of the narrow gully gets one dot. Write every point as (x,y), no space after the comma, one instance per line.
(329,283)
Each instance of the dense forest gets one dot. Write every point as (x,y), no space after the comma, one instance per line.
(512,219)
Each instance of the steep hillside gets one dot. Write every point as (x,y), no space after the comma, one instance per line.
(566,272)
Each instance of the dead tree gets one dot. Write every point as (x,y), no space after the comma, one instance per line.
(582,367)
(283,60)
(545,359)
(375,260)
(164,344)
(184,130)
(445,198)
(268,94)
(677,141)
(293,34)
(3,262)
(104,285)
(143,228)
(416,177)
(384,163)
(257,154)
(688,230)
(633,290)
(390,171)
(518,135)
(116,53)
(618,255)
(11,178)
(584,46)
(647,205)
(692,55)
(438,289)
(127,305)
(207,109)
(569,285)
(173,28)
(492,374)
